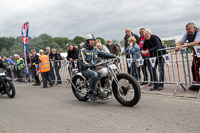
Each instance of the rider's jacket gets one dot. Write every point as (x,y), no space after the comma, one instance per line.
(89,56)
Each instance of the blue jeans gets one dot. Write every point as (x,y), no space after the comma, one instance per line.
(160,63)
(146,65)
(92,75)
(135,71)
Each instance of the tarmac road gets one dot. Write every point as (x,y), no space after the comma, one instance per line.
(56,110)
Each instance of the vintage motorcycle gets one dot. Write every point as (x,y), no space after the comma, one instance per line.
(124,86)
(6,85)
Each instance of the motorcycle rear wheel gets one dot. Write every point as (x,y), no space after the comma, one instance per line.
(80,92)
(128,84)
(10,89)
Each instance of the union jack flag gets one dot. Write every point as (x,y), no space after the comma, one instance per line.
(24,31)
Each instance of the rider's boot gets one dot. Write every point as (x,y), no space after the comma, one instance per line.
(92,96)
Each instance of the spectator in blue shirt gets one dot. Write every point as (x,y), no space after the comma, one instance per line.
(8,61)
(134,50)
(192,35)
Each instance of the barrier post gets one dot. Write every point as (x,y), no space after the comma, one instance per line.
(183,61)
(189,73)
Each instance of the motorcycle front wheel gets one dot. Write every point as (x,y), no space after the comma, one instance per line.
(80,92)
(127,90)
(9,89)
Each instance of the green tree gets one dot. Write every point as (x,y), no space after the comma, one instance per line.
(16,49)
(41,42)
(77,40)
(4,52)
(61,41)
(3,43)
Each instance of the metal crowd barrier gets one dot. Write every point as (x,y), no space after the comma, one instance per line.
(16,73)
(174,67)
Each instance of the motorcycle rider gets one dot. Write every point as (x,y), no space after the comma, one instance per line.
(88,56)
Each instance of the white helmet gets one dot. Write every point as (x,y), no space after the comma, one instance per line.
(90,37)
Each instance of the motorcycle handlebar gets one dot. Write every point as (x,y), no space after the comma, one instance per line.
(108,61)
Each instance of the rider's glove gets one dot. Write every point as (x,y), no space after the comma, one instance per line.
(92,66)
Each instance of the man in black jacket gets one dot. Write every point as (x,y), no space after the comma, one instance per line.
(35,65)
(153,43)
(56,58)
(72,53)
(129,34)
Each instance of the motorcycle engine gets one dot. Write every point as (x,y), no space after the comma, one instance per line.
(104,90)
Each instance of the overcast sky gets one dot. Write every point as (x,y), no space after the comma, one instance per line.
(104,18)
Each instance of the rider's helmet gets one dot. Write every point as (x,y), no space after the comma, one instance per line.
(89,37)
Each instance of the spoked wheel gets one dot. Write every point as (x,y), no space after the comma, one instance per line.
(80,91)
(9,89)
(127,91)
